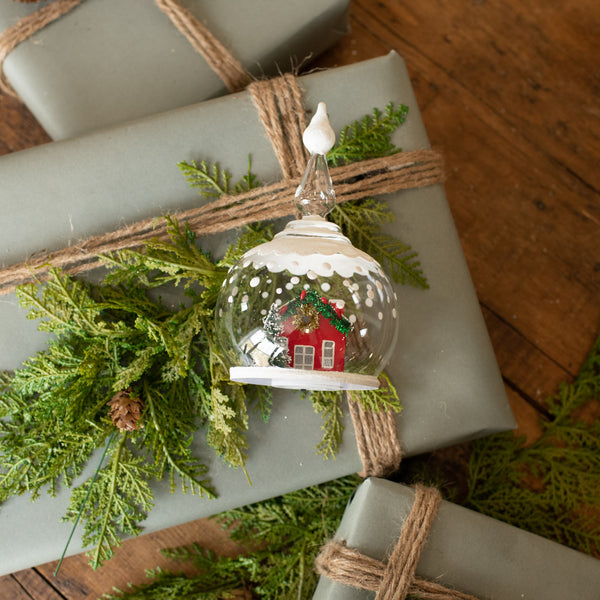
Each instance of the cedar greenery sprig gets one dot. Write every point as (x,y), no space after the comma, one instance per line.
(369,137)
(213,181)
(361,221)
(329,404)
(281,539)
(551,486)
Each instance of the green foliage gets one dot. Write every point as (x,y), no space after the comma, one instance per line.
(361,221)
(369,137)
(551,486)
(212,181)
(118,499)
(383,398)
(329,404)
(282,538)
(173,261)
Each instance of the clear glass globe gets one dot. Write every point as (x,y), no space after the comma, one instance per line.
(307,311)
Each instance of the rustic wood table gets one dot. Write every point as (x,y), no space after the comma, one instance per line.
(509,92)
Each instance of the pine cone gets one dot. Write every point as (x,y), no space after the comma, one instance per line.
(125,411)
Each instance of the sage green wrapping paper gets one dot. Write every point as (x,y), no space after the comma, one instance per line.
(443,367)
(111,61)
(465,550)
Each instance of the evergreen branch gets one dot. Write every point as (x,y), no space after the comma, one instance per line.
(384,398)
(212,181)
(547,486)
(173,261)
(114,504)
(174,586)
(282,537)
(329,405)
(64,306)
(361,222)
(369,137)
(170,449)
(76,521)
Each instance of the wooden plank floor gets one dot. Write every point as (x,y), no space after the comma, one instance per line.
(509,92)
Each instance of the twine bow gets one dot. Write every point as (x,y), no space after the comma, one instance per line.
(279,105)
(396,579)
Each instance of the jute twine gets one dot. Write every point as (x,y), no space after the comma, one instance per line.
(25,28)
(376,439)
(396,579)
(404,170)
(279,104)
(222,62)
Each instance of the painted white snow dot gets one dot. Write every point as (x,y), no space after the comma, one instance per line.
(352,319)
(245,298)
(278,291)
(369,302)
(220,312)
(347,282)
(254,281)
(289,286)
(263,312)
(379,285)
(235,290)
(278,302)
(265,294)
(325,286)
(371,293)
(380,316)
(340,304)
(230,299)
(394,313)
(355,286)
(295,280)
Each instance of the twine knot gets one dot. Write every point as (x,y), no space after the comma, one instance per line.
(396,579)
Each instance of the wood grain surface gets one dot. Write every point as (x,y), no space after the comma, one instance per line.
(509,92)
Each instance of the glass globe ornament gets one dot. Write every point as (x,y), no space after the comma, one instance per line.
(308,310)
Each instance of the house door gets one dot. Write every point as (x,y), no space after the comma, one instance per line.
(304,357)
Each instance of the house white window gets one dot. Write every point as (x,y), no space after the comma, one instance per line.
(327,352)
(304,357)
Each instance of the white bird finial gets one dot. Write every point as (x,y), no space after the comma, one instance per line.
(319,137)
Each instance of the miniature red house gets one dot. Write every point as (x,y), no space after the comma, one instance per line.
(316,333)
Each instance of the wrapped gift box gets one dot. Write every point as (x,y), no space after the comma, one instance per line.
(109,61)
(444,367)
(465,551)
